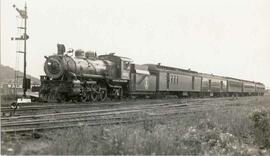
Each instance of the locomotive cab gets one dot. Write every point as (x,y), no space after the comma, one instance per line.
(121,70)
(125,68)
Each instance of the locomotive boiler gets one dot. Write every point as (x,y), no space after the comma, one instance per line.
(83,76)
(57,66)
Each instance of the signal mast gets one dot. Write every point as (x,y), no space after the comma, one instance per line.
(24,37)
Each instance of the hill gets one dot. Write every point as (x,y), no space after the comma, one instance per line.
(7,75)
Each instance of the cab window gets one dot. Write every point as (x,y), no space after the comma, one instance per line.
(125,65)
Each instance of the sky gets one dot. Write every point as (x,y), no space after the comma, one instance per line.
(223,37)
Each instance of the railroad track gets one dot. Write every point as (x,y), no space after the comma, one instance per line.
(126,107)
(104,117)
(30,107)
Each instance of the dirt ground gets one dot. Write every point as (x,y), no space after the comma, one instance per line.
(241,130)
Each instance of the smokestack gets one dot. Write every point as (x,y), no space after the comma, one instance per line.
(61,49)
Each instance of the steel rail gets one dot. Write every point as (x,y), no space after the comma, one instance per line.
(115,121)
(41,106)
(84,120)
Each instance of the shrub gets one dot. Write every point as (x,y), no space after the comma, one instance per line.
(261,128)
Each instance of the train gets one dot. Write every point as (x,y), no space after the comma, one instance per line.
(84,76)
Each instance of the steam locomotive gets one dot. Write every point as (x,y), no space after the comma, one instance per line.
(84,76)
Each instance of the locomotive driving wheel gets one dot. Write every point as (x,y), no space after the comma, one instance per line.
(84,96)
(95,92)
(103,94)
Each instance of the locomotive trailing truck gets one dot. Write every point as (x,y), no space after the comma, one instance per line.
(84,76)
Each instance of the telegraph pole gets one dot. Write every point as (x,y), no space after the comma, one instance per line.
(24,60)
(24,37)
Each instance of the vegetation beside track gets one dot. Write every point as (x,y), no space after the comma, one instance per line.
(241,130)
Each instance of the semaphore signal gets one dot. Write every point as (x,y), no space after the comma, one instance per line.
(24,37)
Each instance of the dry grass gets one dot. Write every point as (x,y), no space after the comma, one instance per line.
(235,132)
(241,130)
